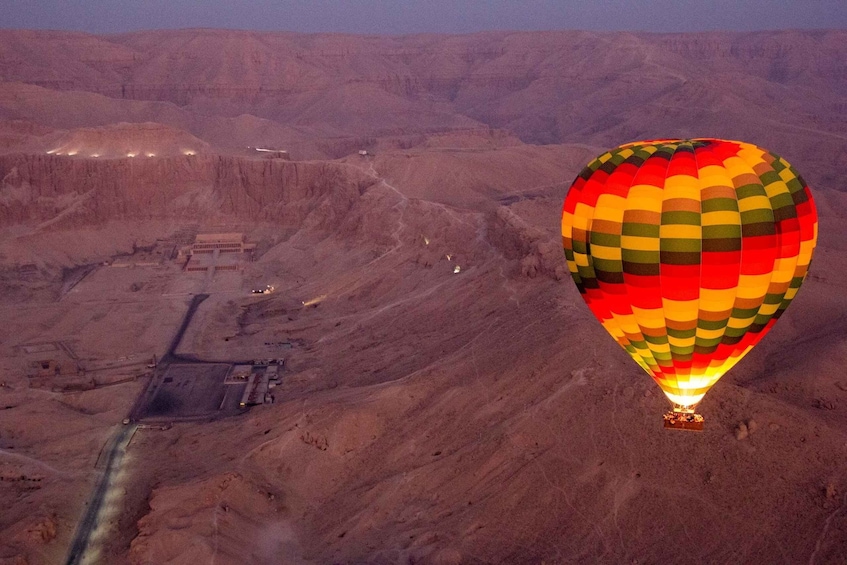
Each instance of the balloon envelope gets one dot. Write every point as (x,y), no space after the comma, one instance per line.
(688,251)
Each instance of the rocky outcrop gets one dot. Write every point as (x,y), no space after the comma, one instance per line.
(540,254)
(71,192)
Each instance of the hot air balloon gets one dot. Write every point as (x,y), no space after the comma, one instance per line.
(688,251)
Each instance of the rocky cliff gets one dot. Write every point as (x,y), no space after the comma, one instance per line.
(70,192)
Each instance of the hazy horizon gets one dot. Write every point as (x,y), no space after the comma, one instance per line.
(439,16)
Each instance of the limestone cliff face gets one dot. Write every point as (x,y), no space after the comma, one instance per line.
(68,191)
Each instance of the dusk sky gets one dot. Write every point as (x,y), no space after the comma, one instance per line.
(406,16)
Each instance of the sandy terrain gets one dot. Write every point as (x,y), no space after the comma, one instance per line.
(424,415)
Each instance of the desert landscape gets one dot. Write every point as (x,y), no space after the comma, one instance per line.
(301,298)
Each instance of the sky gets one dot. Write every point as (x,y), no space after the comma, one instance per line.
(424,16)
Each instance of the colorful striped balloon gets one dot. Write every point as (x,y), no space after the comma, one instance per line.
(688,251)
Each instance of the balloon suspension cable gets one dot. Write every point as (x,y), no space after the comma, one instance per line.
(683,418)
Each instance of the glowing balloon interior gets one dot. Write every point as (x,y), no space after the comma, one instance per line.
(688,251)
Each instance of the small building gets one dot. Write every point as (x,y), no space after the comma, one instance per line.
(222,242)
(218,251)
(200,262)
(249,391)
(257,390)
(50,367)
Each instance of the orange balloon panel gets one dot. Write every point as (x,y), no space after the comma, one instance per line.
(688,251)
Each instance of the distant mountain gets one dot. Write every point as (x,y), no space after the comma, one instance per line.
(784,90)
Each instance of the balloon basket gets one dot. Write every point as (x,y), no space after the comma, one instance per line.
(684,421)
